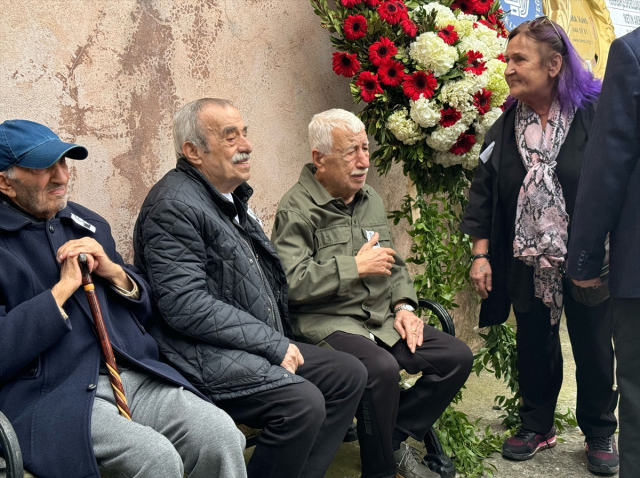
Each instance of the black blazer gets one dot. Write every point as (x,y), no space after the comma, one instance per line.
(609,193)
(483,217)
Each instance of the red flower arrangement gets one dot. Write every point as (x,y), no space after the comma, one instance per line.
(464,144)
(501,57)
(355,26)
(391,72)
(474,64)
(448,35)
(449,117)
(482,7)
(345,64)
(382,50)
(466,6)
(369,85)
(409,27)
(372,3)
(482,100)
(392,11)
(350,3)
(420,83)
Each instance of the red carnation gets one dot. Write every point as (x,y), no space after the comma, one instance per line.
(350,3)
(381,51)
(345,64)
(482,100)
(372,3)
(420,83)
(501,57)
(466,6)
(464,144)
(355,26)
(474,64)
(391,72)
(449,117)
(390,12)
(448,35)
(409,27)
(369,85)
(481,7)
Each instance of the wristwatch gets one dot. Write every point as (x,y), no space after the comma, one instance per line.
(403,307)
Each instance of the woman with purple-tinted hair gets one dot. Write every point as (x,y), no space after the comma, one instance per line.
(519,215)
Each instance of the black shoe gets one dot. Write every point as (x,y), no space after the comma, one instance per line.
(409,464)
(524,444)
(602,455)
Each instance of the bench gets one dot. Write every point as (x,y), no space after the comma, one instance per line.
(436,458)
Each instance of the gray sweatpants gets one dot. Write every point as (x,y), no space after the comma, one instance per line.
(173,432)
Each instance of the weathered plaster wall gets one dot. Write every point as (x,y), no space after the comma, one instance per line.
(109,74)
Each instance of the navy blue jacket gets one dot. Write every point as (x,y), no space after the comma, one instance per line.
(49,365)
(609,193)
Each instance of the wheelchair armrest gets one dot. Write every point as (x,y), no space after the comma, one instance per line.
(10,449)
(441,313)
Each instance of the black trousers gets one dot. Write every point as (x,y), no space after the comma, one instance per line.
(626,334)
(445,363)
(303,423)
(540,366)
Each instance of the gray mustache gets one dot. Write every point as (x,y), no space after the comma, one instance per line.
(240,157)
(357,172)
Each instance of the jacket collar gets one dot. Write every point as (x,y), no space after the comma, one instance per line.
(316,190)
(242,192)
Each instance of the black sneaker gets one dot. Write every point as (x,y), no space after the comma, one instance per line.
(409,464)
(602,455)
(524,444)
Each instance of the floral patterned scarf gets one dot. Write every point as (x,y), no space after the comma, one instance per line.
(541,218)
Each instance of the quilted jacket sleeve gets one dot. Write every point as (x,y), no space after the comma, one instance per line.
(175,257)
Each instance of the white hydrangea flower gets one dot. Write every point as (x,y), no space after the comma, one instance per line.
(443,138)
(485,121)
(470,158)
(447,159)
(444,15)
(463,27)
(431,52)
(484,40)
(425,112)
(459,94)
(404,128)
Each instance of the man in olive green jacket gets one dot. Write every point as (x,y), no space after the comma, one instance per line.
(350,290)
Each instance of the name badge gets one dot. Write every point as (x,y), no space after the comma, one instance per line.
(82,223)
(486,154)
(369,236)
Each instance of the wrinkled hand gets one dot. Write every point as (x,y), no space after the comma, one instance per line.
(374,262)
(70,280)
(588,283)
(97,260)
(293,359)
(410,327)
(481,277)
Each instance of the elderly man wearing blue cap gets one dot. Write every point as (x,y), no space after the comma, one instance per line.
(54,385)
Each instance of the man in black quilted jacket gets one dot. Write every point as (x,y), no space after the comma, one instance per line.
(222,297)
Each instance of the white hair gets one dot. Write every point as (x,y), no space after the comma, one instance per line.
(188,127)
(324,123)
(10,173)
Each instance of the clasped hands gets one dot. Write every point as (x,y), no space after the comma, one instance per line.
(98,262)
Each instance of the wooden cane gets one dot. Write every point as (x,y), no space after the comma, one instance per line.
(105,344)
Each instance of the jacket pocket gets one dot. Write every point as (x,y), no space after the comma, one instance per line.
(333,241)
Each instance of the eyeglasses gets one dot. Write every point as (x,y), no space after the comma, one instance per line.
(540,20)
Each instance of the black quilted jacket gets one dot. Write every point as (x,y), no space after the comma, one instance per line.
(214,326)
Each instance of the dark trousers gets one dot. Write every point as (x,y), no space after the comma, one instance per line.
(540,366)
(303,424)
(626,333)
(445,363)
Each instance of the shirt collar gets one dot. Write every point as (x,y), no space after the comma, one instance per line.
(316,190)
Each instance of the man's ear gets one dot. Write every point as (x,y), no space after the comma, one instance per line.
(191,153)
(318,159)
(555,64)
(5,187)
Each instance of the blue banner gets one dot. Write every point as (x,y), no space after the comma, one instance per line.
(520,11)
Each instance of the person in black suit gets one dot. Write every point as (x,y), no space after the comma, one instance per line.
(520,204)
(608,202)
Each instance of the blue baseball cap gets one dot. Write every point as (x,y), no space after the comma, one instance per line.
(32,145)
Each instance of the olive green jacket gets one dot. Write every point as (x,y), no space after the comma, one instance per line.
(316,237)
